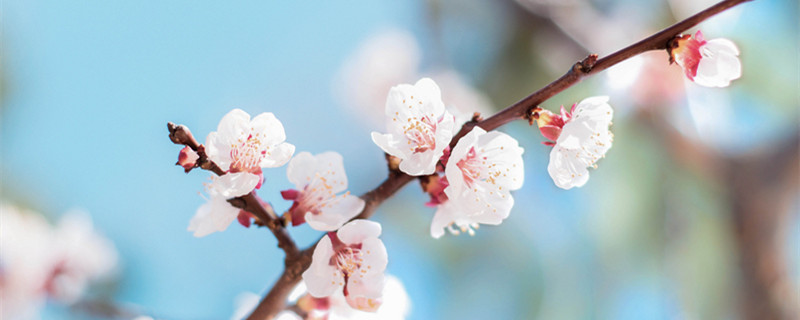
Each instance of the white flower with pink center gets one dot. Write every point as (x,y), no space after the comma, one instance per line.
(318,179)
(352,260)
(419,127)
(483,169)
(215,215)
(581,139)
(241,147)
(712,63)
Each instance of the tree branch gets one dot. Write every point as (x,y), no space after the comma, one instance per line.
(296,262)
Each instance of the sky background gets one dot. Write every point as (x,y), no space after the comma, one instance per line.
(88,88)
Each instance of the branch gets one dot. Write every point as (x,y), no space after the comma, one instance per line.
(296,263)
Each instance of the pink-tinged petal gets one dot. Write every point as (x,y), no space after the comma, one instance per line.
(357,230)
(270,127)
(321,278)
(216,215)
(235,184)
(334,216)
(550,132)
(699,36)
(277,155)
(290,194)
(187,159)
(244,218)
(454,175)
(374,256)
(363,303)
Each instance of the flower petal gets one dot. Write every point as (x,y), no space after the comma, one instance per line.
(216,215)
(358,230)
(235,184)
(333,217)
(277,155)
(270,128)
(321,278)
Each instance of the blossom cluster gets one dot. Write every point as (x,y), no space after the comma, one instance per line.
(469,176)
(40,263)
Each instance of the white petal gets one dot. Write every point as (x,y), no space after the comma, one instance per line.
(505,154)
(216,215)
(566,170)
(445,215)
(330,166)
(301,169)
(277,155)
(370,286)
(358,230)
(234,125)
(218,150)
(235,184)
(321,278)
(333,217)
(418,164)
(430,95)
(722,45)
(270,128)
(374,255)
(389,144)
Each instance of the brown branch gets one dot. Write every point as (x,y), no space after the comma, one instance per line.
(275,300)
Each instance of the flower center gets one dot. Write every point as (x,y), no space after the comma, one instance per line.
(318,194)
(248,153)
(471,166)
(349,260)
(421,134)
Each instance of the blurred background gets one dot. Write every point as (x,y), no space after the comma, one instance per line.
(692,215)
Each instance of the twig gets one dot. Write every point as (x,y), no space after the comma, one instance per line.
(297,262)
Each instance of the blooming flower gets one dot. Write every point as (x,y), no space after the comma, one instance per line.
(241,147)
(39,263)
(712,63)
(215,215)
(352,259)
(581,138)
(419,127)
(318,179)
(482,170)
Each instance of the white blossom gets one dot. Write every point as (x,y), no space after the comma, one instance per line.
(353,260)
(40,263)
(712,63)
(318,179)
(482,170)
(241,147)
(419,127)
(215,215)
(581,142)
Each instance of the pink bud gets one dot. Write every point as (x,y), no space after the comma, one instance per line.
(187,159)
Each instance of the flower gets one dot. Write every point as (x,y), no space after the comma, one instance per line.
(581,138)
(241,147)
(712,63)
(483,168)
(215,215)
(318,179)
(81,256)
(419,127)
(352,259)
(40,263)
